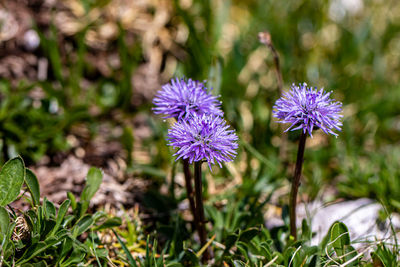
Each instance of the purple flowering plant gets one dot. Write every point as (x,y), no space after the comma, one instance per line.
(199,133)
(307,108)
(181,98)
(203,138)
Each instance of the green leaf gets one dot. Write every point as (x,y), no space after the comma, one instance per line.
(61,213)
(93,181)
(173,264)
(68,219)
(109,223)
(33,186)
(190,258)
(266,251)
(350,253)
(65,247)
(99,215)
(82,206)
(230,242)
(82,225)
(37,264)
(49,209)
(384,257)
(238,263)
(306,233)
(127,142)
(131,260)
(48,226)
(77,256)
(71,197)
(11,179)
(249,234)
(37,249)
(4,223)
(340,238)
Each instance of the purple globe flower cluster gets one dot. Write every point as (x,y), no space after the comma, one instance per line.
(307,108)
(200,133)
(203,137)
(182,98)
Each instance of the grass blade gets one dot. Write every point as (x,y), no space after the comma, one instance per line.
(131,260)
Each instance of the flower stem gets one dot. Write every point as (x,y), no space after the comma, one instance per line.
(265,38)
(296,183)
(199,207)
(189,191)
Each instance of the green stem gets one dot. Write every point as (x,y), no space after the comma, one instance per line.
(296,183)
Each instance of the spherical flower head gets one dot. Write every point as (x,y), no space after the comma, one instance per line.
(306,107)
(182,98)
(203,138)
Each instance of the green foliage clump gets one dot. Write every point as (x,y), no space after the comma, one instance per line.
(45,235)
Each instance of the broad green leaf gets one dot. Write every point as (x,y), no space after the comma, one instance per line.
(49,209)
(292,257)
(266,251)
(76,256)
(37,249)
(243,248)
(82,225)
(31,218)
(340,238)
(9,250)
(71,197)
(249,234)
(11,179)
(350,253)
(384,257)
(48,227)
(4,222)
(306,233)
(230,242)
(68,219)
(93,181)
(82,206)
(61,213)
(109,223)
(65,247)
(33,186)
(99,215)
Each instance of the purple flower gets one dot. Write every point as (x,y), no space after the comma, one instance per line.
(306,107)
(203,137)
(181,99)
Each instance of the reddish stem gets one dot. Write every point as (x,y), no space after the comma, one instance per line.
(200,209)
(296,183)
(189,191)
